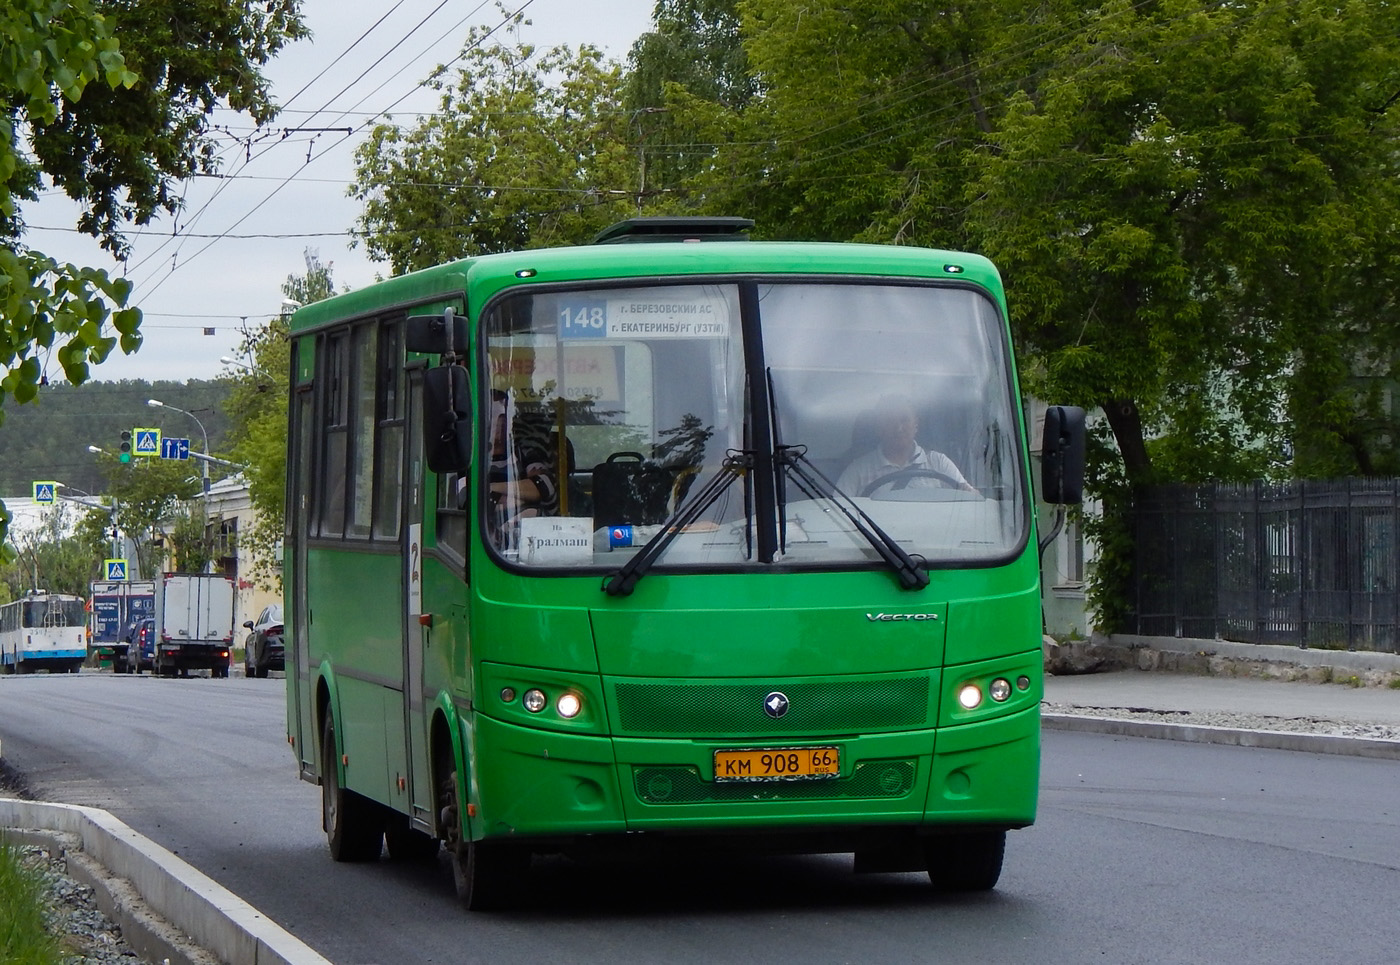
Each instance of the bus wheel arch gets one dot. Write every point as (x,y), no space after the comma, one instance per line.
(486,874)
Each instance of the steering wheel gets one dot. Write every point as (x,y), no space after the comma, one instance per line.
(907,474)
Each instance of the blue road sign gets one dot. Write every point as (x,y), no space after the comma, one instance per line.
(145,442)
(172,448)
(115,569)
(44,492)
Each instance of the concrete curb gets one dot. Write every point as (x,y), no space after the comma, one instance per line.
(1203,734)
(217,920)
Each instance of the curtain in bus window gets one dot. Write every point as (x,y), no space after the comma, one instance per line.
(902,395)
(605,408)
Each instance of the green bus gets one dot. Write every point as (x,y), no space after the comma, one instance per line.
(674,540)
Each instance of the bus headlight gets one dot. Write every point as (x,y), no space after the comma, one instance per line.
(1000,689)
(568,705)
(969,695)
(534,700)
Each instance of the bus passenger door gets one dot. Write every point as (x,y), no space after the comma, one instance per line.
(300,726)
(416,636)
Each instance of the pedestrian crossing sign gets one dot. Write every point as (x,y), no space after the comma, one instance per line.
(145,442)
(45,492)
(115,569)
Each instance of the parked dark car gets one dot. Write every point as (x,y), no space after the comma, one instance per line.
(141,645)
(262,651)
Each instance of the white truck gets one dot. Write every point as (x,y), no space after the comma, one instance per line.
(194,624)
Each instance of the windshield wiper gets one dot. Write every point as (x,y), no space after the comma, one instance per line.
(814,483)
(622,582)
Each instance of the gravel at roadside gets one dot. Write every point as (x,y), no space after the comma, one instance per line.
(88,936)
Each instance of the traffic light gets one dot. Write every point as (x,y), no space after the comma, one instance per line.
(125,449)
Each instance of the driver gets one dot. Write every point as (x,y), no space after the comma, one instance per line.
(897,449)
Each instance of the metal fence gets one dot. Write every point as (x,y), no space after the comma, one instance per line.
(1313,564)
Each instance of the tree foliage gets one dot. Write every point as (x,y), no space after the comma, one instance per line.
(530,148)
(49,440)
(147,493)
(109,101)
(62,554)
(1194,204)
(258,405)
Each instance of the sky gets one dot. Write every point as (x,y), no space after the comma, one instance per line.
(202,277)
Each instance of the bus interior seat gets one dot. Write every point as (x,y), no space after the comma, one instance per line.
(628,489)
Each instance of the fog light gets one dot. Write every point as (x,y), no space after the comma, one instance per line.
(535,700)
(969,695)
(1000,689)
(507,694)
(568,706)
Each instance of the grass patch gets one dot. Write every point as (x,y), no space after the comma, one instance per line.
(24,937)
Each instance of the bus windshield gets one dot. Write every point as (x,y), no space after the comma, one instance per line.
(607,409)
(54,612)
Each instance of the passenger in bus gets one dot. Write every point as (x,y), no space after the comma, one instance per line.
(521,477)
(896,448)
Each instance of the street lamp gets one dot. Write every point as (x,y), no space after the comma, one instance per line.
(204,463)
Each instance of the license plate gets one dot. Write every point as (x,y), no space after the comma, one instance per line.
(777,763)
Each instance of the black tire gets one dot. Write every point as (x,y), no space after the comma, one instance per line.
(970,861)
(488,875)
(262,673)
(353,824)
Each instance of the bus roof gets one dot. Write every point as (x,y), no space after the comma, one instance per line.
(485,275)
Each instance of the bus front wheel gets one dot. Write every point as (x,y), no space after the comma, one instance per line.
(487,874)
(970,861)
(354,828)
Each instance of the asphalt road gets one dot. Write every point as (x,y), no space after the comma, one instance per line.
(1145,852)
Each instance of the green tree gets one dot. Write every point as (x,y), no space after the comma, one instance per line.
(56,555)
(148,493)
(529,149)
(692,51)
(109,101)
(258,405)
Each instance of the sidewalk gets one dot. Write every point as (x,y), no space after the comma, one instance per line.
(1242,696)
(1164,691)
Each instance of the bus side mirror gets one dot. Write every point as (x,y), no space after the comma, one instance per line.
(447,419)
(1062,455)
(444,334)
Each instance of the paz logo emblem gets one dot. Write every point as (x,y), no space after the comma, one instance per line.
(775,704)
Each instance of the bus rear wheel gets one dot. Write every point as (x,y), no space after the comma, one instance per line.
(353,825)
(970,861)
(487,874)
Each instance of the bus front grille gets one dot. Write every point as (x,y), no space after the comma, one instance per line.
(684,785)
(725,709)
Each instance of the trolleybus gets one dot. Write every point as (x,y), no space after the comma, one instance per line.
(672,540)
(43,631)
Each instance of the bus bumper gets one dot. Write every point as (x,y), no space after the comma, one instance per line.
(536,783)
